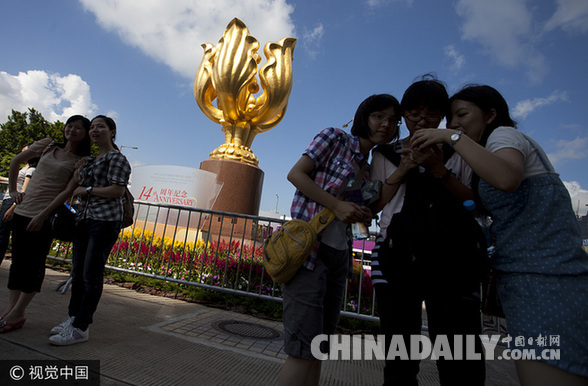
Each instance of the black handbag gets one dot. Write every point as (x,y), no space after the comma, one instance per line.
(128,208)
(63,223)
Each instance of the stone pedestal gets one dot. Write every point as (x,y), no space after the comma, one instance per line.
(241,193)
(242,184)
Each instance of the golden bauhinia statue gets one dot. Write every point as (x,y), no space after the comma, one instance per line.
(228,73)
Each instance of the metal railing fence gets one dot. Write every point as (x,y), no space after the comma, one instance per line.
(214,250)
(222,252)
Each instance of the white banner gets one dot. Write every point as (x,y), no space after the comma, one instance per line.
(176,185)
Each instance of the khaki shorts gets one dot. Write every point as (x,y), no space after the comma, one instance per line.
(312,301)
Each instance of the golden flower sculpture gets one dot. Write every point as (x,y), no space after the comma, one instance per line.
(228,74)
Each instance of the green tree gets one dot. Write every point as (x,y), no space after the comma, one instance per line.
(24,128)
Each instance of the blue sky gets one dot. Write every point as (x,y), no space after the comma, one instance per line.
(136,60)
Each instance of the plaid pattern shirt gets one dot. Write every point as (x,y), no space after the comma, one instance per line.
(111,169)
(336,154)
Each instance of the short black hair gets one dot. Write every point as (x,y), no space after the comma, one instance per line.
(33,162)
(377,102)
(427,92)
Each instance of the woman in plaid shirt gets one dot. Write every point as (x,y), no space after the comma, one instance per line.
(103,180)
(313,297)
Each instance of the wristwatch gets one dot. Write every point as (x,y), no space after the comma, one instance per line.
(455,137)
(89,190)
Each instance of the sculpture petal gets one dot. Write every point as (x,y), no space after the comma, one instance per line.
(276,80)
(234,67)
(203,89)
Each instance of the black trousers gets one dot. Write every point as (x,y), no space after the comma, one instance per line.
(5,227)
(453,308)
(29,252)
(92,245)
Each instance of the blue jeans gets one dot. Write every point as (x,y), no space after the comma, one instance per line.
(92,245)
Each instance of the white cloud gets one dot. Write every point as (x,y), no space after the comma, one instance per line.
(571,16)
(382,3)
(376,3)
(574,149)
(316,34)
(524,108)
(56,97)
(458,60)
(172,31)
(505,29)
(311,40)
(579,197)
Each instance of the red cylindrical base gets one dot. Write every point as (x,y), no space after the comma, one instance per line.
(242,184)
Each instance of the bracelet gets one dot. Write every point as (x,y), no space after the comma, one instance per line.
(445,176)
(393,183)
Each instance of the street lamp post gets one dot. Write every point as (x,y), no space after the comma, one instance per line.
(277,199)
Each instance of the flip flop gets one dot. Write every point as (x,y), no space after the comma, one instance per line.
(7,327)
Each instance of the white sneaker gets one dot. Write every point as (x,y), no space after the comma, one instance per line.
(66,322)
(70,335)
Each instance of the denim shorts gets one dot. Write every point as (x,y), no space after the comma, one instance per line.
(549,307)
(312,301)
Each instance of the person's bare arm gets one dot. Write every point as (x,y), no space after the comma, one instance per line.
(347,212)
(37,221)
(391,184)
(111,191)
(502,169)
(15,164)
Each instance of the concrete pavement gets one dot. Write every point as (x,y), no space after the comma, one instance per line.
(141,339)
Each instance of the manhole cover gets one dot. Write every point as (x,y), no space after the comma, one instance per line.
(247,330)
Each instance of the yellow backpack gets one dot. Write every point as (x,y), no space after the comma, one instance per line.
(287,249)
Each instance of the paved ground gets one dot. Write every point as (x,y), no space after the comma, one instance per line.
(141,339)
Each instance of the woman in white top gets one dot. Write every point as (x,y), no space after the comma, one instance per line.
(543,270)
(8,205)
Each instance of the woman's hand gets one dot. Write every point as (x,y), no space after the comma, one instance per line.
(368,216)
(37,223)
(9,214)
(406,162)
(18,197)
(80,191)
(349,212)
(424,138)
(428,156)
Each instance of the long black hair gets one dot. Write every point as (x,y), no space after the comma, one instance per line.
(84,147)
(111,125)
(487,99)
